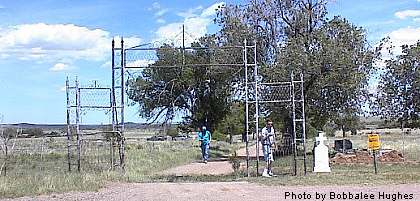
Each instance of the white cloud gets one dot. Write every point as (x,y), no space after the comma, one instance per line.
(128,42)
(212,9)
(404,36)
(155,6)
(107,64)
(196,21)
(397,38)
(63,88)
(160,21)
(60,67)
(161,12)
(56,42)
(417,19)
(140,63)
(158,10)
(192,12)
(407,13)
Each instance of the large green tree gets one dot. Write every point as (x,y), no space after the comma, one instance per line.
(398,95)
(291,35)
(199,93)
(295,35)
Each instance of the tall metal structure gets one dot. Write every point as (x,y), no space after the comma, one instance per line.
(126,60)
(298,113)
(257,92)
(118,95)
(290,93)
(80,98)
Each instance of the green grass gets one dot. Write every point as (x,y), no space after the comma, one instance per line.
(35,174)
(40,183)
(148,159)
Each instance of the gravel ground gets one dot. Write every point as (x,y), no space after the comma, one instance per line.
(200,168)
(233,191)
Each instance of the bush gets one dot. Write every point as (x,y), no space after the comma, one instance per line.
(217,135)
(329,129)
(173,132)
(311,132)
(33,132)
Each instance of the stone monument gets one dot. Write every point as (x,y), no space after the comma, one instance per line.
(322,163)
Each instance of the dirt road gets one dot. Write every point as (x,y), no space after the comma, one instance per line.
(200,168)
(234,191)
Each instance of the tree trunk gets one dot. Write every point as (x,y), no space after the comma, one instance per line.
(403,137)
(344,136)
(344,131)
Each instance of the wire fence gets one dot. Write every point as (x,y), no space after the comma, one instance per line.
(50,154)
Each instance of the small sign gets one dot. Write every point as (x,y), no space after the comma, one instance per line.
(373,141)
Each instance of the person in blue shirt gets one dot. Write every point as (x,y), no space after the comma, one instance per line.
(204,136)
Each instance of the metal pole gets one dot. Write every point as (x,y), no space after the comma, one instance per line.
(183,44)
(68,124)
(245,60)
(111,150)
(303,120)
(113,103)
(122,103)
(256,112)
(77,123)
(122,83)
(374,162)
(292,89)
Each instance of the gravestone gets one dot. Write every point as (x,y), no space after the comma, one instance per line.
(322,163)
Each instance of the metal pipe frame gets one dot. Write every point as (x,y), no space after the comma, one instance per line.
(68,125)
(181,48)
(122,141)
(245,59)
(245,64)
(186,65)
(292,100)
(257,114)
(78,124)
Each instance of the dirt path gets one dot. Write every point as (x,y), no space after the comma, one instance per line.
(200,168)
(213,167)
(251,149)
(233,191)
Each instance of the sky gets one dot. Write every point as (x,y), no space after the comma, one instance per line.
(45,41)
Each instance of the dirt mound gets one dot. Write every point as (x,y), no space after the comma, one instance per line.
(365,157)
(391,156)
(357,157)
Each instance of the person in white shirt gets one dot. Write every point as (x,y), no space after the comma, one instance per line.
(267,139)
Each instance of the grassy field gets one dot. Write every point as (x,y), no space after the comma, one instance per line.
(26,175)
(30,173)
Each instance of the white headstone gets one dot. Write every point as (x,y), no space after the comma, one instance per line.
(322,163)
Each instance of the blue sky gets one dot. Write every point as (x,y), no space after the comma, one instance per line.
(44,41)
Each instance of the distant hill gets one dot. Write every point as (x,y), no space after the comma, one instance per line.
(128,125)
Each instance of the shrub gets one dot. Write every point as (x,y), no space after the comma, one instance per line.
(217,135)
(33,132)
(173,132)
